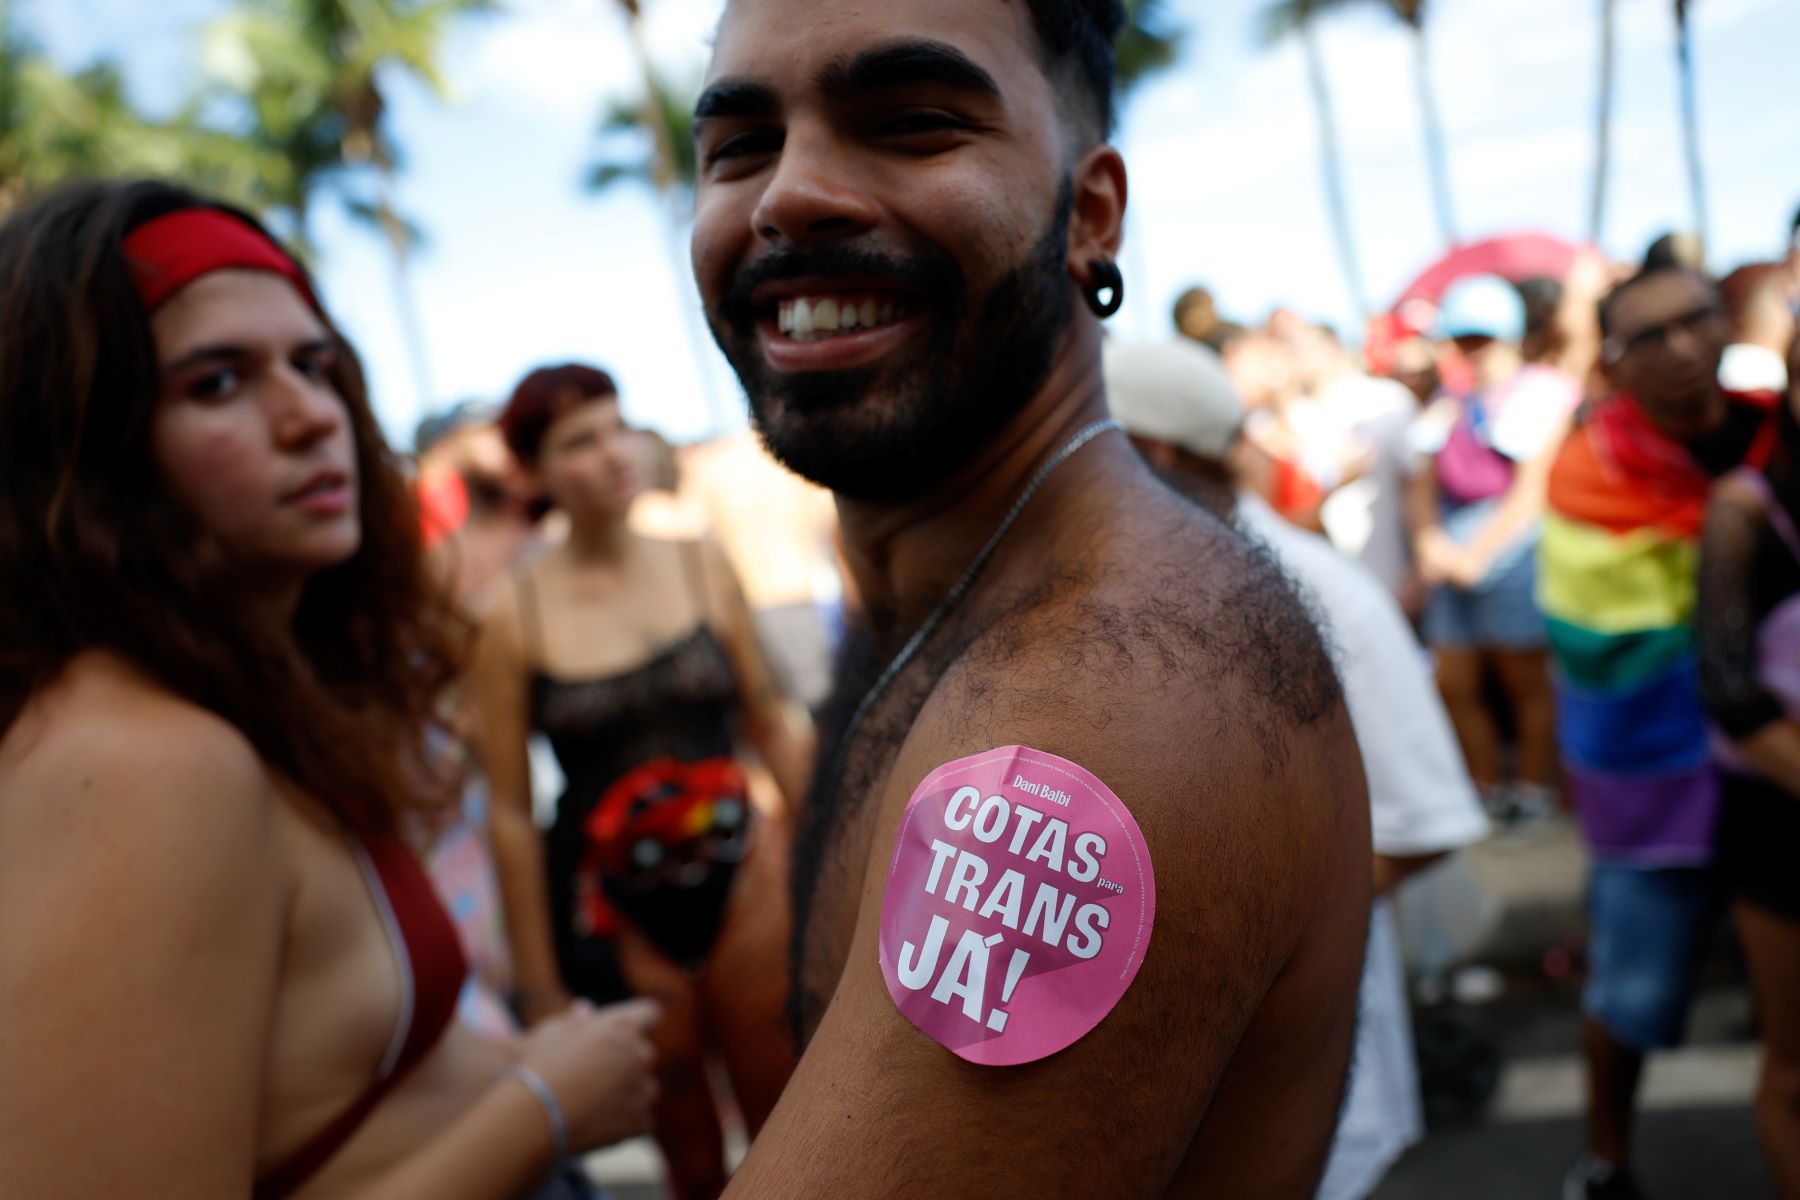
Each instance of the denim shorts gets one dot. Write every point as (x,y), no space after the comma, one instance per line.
(1646,928)
(1501,612)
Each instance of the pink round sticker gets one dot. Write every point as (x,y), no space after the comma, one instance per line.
(1018,907)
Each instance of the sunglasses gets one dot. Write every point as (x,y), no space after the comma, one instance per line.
(1657,337)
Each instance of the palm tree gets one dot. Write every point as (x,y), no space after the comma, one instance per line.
(56,125)
(1148,43)
(1281,20)
(1437,158)
(1690,115)
(1603,121)
(309,73)
(663,117)
(1412,14)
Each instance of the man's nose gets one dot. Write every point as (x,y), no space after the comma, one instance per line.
(1687,341)
(814,194)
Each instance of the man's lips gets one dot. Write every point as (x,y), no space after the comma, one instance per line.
(852,350)
(769,294)
(833,323)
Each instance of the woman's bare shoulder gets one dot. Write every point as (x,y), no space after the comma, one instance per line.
(103,728)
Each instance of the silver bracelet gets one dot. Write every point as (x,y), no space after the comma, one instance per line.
(559,1125)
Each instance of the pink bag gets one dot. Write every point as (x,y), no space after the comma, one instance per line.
(1468,469)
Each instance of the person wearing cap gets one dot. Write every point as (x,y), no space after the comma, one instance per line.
(1182,413)
(1474,507)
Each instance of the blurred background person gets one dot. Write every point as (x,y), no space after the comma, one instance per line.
(1196,316)
(779,532)
(1264,369)
(1627,499)
(1414,366)
(1793,258)
(1368,418)
(1181,411)
(1749,630)
(220,655)
(658,876)
(1474,509)
(476,531)
(470,501)
(1759,305)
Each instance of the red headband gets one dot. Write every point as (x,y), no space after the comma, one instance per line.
(170,252)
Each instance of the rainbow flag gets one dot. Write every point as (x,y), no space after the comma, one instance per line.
(1617,568)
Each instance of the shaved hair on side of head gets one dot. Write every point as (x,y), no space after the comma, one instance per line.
(1076,39)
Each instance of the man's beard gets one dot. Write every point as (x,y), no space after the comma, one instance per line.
(886,433)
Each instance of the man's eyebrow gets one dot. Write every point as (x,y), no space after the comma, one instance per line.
(897,64)
(736,98)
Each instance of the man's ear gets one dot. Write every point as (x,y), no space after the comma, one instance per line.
(1609,371)
(1097,217)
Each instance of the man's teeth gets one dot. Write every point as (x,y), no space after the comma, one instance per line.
(807,318)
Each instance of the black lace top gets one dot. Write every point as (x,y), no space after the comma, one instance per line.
(677,705)
(1750,566)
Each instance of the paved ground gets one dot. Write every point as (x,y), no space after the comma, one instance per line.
(1697,1138)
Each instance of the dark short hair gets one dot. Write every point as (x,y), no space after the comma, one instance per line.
(1673,250)
(1610,301)
(1195,297)
(543,397)
(1077,38)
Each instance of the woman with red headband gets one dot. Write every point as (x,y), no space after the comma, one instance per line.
(636,657)
(221,968)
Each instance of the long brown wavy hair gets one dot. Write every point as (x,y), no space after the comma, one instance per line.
(96,554)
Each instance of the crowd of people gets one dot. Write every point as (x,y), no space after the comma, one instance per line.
(412,825)
(1575,488)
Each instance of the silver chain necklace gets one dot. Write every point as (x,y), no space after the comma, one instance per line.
(959,589)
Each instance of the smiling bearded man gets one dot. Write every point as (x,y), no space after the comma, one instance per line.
(1082,884)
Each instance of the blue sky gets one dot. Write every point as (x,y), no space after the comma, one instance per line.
(522,267)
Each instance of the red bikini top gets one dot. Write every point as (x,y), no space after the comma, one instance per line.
(426,941)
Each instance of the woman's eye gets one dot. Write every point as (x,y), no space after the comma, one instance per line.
(316,366)
(215,385)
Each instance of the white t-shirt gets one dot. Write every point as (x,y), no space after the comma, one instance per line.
(1531,411)
(1366,518)
(1747,368)
(1421,801)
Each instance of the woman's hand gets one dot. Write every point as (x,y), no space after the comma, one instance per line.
(1438,556)
(538,1004)
(600,1065)
(1469,569)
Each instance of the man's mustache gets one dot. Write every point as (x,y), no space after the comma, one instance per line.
(935,276)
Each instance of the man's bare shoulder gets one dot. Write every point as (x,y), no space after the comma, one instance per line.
(1173,665)
(1177,665)
(1172,626)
